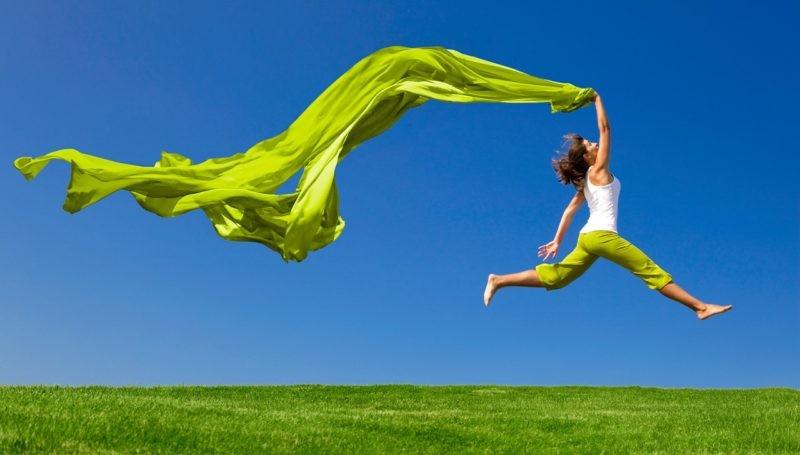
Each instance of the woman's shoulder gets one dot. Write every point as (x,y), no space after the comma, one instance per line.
(599,177)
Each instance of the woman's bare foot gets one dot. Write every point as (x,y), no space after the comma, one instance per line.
(491,287)
(711,310)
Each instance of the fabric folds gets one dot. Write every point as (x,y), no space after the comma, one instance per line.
(237,192)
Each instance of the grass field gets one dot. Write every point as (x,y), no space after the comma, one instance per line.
(393,418)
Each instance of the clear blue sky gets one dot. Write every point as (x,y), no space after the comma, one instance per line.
(702,98)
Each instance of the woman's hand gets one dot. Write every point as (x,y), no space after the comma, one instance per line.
(596,97)
(548,248)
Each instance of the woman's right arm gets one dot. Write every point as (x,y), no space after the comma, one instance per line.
(604,145)
(551,247)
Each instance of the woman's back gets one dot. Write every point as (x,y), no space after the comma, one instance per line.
(603,201)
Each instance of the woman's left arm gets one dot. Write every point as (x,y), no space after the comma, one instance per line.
(604,128)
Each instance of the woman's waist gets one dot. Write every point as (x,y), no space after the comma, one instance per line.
(599,224)
(603,215)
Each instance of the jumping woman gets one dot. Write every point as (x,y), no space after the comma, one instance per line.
(586,166)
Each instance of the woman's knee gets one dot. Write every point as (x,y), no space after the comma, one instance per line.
(557,276)
(546,274)
(558,284)
(655,277)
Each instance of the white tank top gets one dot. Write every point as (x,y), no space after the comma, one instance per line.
(602,201)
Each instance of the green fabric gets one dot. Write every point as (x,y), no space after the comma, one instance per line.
(237,192)
(605,244)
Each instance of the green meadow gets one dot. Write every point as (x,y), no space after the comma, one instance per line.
(397,418)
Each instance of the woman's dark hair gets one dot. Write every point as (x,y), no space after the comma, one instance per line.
(570,166)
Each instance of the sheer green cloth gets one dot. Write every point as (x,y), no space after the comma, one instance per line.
(238,192)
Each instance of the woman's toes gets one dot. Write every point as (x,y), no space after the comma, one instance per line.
(712,310)
(489,291)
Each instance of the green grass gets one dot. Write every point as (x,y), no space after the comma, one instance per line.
(394,418)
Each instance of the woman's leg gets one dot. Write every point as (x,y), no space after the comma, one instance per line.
(702,309)
(549,276)
(622,252)
(527,278)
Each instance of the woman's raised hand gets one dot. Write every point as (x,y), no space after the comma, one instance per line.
(547,249)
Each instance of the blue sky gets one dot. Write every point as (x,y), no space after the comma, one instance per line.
(703,104)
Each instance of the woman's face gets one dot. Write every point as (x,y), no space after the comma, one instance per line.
(591,151)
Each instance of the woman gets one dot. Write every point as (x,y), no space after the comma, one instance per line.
(586,166)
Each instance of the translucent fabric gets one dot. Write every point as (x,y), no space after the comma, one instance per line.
(238,192)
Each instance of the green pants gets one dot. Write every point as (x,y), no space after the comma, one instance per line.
(607,244)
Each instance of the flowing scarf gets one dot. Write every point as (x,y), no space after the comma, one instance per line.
(237,192)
